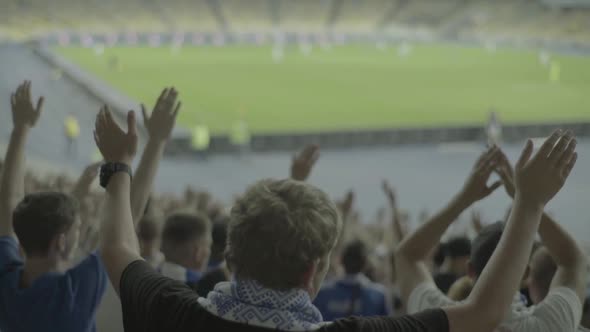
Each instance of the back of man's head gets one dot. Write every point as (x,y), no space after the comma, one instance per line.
(483,246)
(278,229)
(40,217)
(354,257)
(541,272)
(458,247)
(148,229)
(184,235)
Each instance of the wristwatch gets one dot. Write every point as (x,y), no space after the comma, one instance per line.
(108,169)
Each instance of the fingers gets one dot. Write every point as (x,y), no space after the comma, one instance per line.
(144,114)
(171,105)
(39,109)
(489,162)
(163,96)
(561,148)
(309,155)
(27,92)
(567,154)
(550,143)
(483,157)
(100,125)
(40,103)
(176,109)
(167,100)
(506,178)
(131,128)
(525,155)
(494,186)
(569,166)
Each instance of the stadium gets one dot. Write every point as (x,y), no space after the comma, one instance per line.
(411,91)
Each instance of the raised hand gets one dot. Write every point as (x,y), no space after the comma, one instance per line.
(476,221)
(538,178)
(114,144)
(506,172)
(476,187)
(82,187)
(304,161)
(24,114)
(346,205)
(390,193)
(162,119)
(91,171)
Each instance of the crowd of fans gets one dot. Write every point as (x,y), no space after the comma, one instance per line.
(284,256)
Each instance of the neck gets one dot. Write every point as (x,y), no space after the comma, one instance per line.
(35,267)
(182,262)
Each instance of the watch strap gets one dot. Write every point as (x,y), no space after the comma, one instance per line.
(107,170)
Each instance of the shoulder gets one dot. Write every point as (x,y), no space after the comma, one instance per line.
(425,321)
(89,271)
(9,253)
(561,310)
(427,296)
(139,279)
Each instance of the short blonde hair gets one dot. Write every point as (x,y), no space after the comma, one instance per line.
(277,229)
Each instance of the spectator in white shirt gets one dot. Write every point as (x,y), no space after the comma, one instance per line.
(561,309)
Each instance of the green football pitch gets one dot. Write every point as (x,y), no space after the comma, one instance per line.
(348,87)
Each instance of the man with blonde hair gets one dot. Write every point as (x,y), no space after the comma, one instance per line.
(281,235)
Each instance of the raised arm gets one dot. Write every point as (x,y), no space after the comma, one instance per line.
(412,253)
(24,117)
(303,162)
(118,242)
(82,187)
(398,230)
(569,257)
(159,126)
(537,180)
(81,192)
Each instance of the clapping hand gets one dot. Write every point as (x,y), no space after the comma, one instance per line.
(538,178)
(476,187)
(24,114)
(91,171)
(304,161)
(506,172)
(162,119)
(114,144)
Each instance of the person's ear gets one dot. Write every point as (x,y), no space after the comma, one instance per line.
(196,255)
(59,244)
(309,276)
(471,271)
(525,277)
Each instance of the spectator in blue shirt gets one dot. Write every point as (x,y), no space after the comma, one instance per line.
(42,292)
(354,294)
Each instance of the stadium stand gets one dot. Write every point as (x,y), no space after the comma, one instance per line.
(361,15)
(456,18)
(19,62)
(304,15)
(244,16)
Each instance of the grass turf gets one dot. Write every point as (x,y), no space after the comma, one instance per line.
(347,87)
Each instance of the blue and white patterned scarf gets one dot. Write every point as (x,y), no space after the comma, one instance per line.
(250,303)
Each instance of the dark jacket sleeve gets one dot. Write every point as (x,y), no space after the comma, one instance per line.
(427,321)
(152,302)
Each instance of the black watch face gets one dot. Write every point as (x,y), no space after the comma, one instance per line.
(107,170)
